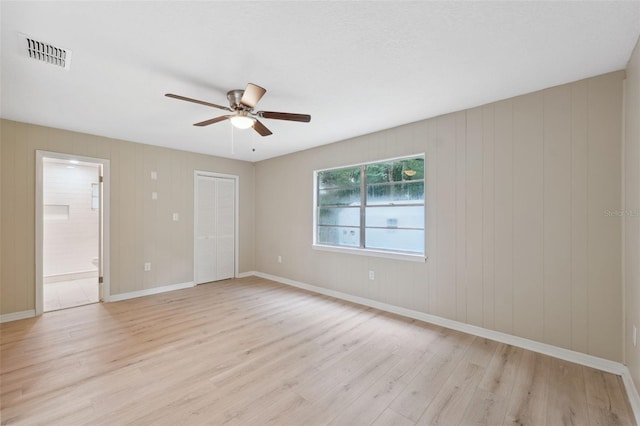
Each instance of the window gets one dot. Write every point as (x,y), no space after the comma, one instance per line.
(372,207)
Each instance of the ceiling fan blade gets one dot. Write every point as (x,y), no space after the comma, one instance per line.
(260,128)
(304,118)
(184,98)
(252,95)
(212,121)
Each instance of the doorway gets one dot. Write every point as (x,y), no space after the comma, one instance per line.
(215,227)
(70,229)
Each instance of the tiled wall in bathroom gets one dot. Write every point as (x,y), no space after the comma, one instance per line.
(70,219)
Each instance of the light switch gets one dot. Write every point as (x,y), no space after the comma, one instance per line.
(176,217)
(154,195)
(154,176)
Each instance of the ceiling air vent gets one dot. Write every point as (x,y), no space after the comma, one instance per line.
(45,52)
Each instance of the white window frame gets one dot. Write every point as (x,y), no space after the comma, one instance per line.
(363,251)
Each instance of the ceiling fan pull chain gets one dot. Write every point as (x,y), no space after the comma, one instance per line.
(233,141)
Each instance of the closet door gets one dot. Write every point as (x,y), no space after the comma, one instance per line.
(225,228)
(214,248)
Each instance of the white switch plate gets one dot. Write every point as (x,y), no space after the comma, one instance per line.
(154,195)
(176,217)
(147,266)
(372,275)
(279,259)
(154,175)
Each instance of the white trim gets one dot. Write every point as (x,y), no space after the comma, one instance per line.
(383,160)
(543,348)
(247,274)
(150,291)
(632,392)
(14,316)
(236,208)
(363,251)
(421,258)
(105,163)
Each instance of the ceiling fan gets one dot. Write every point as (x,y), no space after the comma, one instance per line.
(241,105)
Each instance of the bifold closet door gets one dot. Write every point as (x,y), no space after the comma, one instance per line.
(214,229)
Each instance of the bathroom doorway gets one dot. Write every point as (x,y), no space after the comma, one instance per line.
(71,221)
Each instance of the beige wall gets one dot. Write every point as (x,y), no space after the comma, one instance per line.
(518,237)
(142,230)
(632,212)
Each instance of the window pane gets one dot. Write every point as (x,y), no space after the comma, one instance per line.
(395,217)
(339,197)
(339,236)
(339,178)
(346,216)
(397,193)
(396,171)
(395,239)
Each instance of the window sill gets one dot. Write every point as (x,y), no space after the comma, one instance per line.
(373,253)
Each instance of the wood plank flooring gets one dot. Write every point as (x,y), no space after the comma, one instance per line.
(252,352)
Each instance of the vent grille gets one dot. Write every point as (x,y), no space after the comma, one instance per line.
(45,52)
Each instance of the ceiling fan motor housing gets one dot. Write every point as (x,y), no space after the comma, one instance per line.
(234,97)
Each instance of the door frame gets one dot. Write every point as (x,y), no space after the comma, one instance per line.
(103,234)
(236,216)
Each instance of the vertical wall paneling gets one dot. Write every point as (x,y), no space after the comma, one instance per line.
(474,218)
(9,177)
(503,216)
(445,202)
(431,197)
(516,236)
(579,218)
(461,216)
(631,251)
(149,212)
(557,216)
(488,217)
(604,178)
(22,204)
(116,237)
(527,216)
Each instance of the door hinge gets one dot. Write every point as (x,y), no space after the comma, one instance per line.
(100,280)
(101,179)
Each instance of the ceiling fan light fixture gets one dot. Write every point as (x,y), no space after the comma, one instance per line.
(242,121)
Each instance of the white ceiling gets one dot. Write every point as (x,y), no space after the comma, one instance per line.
(356,67)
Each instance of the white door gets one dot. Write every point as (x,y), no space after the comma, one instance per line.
(214,229)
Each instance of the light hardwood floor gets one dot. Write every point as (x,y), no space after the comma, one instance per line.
(250,351)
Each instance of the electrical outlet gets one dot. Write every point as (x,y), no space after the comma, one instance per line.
(372,275)
(279,259)
(147,266)
(154,195)
(635,336)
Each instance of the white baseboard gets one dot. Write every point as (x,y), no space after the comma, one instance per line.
(632,392)
(149,291)
(247,274)
(14,316)
(543,348)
